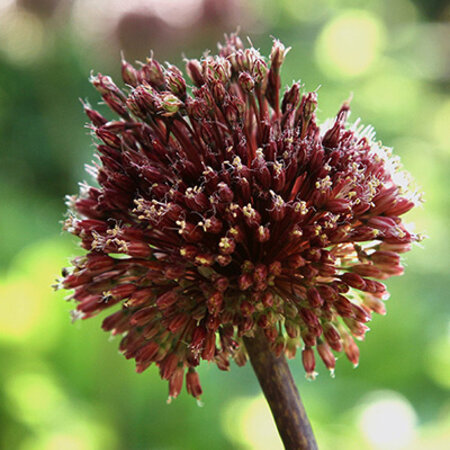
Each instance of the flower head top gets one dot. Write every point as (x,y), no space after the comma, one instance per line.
(222,208)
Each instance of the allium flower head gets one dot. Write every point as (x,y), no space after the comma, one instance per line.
(222,207)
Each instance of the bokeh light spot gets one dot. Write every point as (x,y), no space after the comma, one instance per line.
(54,421)
(20,311)
(248,421)
(350,44)
(388,421)
(22,37)
(438,360)
(27,310)
(28,392)
(440,127)
(5,4)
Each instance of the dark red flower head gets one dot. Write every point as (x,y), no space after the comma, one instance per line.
(223,207)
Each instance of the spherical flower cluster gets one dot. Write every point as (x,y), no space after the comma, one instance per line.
(223,208)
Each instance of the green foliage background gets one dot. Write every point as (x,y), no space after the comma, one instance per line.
(65,386)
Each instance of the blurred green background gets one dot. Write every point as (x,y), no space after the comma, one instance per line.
(65,386)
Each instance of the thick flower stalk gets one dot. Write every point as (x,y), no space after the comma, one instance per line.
(224,211)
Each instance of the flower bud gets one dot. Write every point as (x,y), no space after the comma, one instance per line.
(168,366)
(351,350)
(176,82)
(147,352)
(375,304)
(153,73)
(210,346)
(292,329)
(309,363)
(291,98)
(194,70)
(171,104)
(129,73)
(314,298)
(167,299)
(246,81)
(277,55)
(175,384)
(327,357)
(354,280)
(193,383)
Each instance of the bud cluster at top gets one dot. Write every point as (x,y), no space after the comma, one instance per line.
(222,207)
